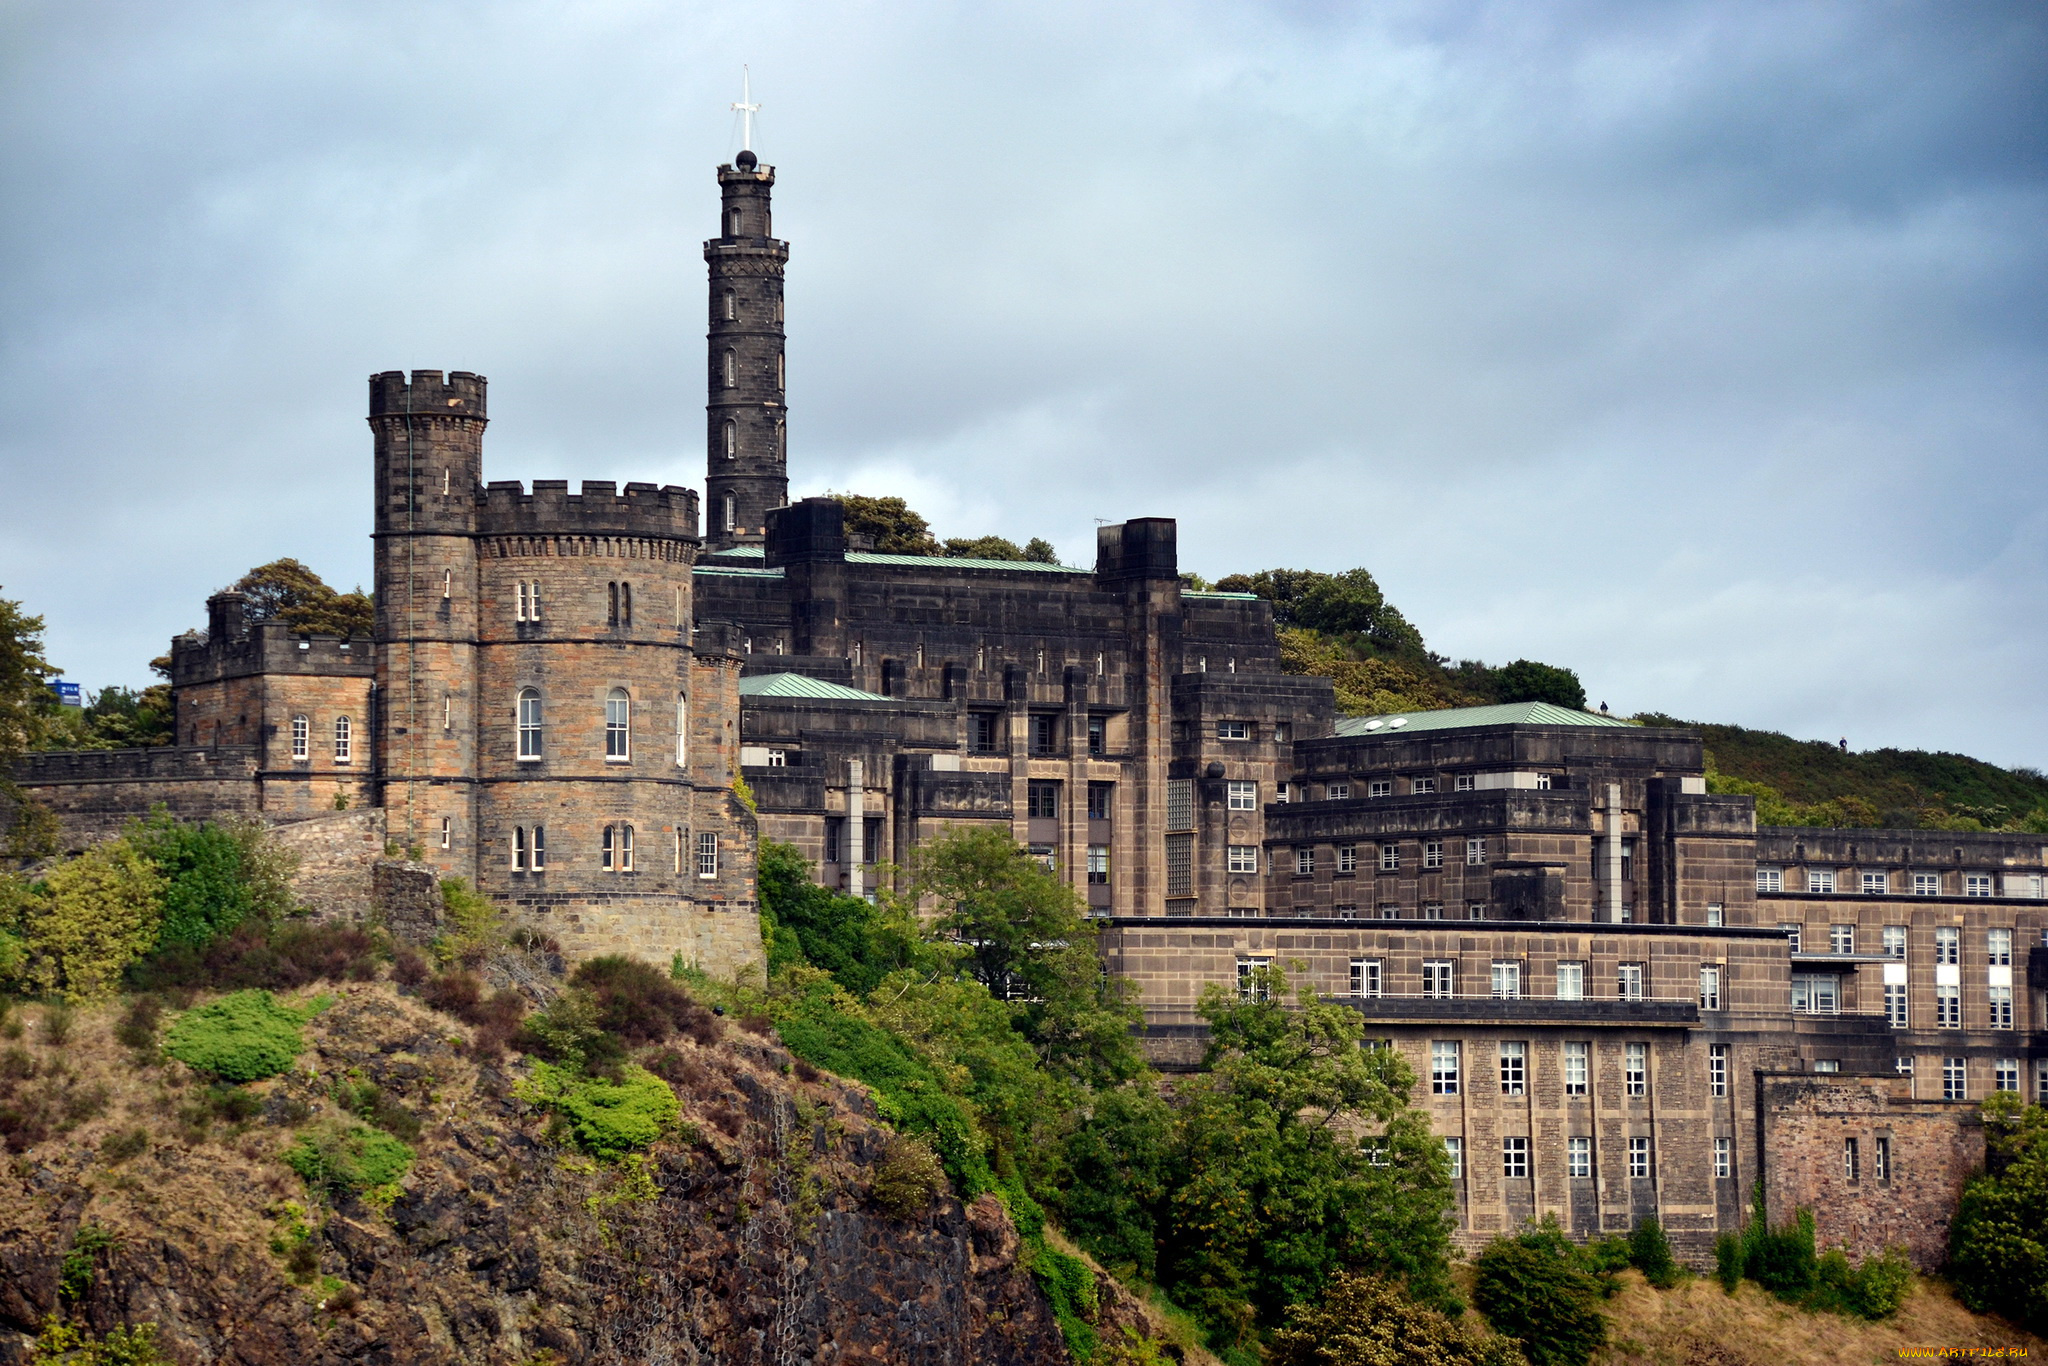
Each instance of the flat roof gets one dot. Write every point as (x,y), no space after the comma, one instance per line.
(1465,718)
(754,552)
(803,685)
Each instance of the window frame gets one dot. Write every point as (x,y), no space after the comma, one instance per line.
(1641,1161)
(1445,1060)
(344,740)
(707,854)
(1578,1157)
(1635,1069)
(618,726)
(1717,1069)
(302,739)
(1514,1157)
(529,724)
(1513,1055)
(1240,794)
(1577,1070)
(1241,858)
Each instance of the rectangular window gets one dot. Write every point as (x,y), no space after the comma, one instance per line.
(1955,1079)
(1507,981)
(1098,735)
(1714,917)
(1571,981)
(1639,1157)
(1475,851)
(1998,948)
(981,732)
(1365,977)
(1791,936)
(1347,858)
(1233,730)
(1770,879)
(540,848)
(1436,977)
(778,758)
(1101,800)
(1432,910)
(1927,884)
(1475,910)
(1514,1068)
(1443,1067)
(1180,804)
(1947,944)
(1724,1158)
(1380,787)
(1852,1160)
(1710,987)
(1895,1005)
(1242,858)
(1881,1159)
(1636,1069)
(1282,792)
(1514,1158)
(707,855)
(1180,865)
(447,831)
(1390,857)
(1717,1069)
(1098,865)
(1340,792)
(1454,1148)
(1253,983)
(1578,1064)
(1045,735)
(1977,884)
(1841,939)
(1042,800)
(1820,879)
(1421,786)
(1304,862)
(1948,1007)
(1242,796)
(518,848)
(1629,982)
(1390,910)
(1876,884)
(1816,993)
(1894,937)
(2005,1074)
(344,733)
(1578,1158)
(1432,853)
(1999,1001)
(2041,1081)
(1464,782)
(302,731)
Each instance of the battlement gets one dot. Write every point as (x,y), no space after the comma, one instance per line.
(264,647)
(461,394)
(160,763)
(506,508)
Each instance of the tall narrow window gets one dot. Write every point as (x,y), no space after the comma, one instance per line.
(540,848)
(682,731)
(344,732)
(1436,978)
(1443,1067)
(780,373)
(1895,1013)
(616,852)
(518,848)
(1507,981)
(1629,981)
(1636,1068)
(447,582)
(1710,987)
(625,848)
(611,605)
(1724,1157)
(1577,1064)
(447,831)
(1365,977)
(732,222)
(1955,1079)
(1514,1068)
(529,724)
(682,839)
(1881,1168)
(707,855)
(302,736)
(625,604)
(732,306)
(1578,1158)
(1571,981)
(732,369)
(728,514)
(1717,1069)
(618,727)
(1639,1157)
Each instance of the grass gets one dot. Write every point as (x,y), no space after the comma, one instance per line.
(1698,1324)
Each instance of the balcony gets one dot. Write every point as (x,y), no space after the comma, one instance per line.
(1486,1008)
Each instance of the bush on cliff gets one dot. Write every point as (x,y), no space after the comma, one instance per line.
(1998,1243)
(607,1117)
(88,919)
(342,1159)
(1537,1287)
(1367,1321)
(243,1037)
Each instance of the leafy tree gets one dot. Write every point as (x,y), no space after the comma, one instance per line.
(206,891)
(983,548)
(1367,1321)
(1038,550)
(896,529)
(93,916)
(1998,1242)
(1274,1192)
(26,703)
(1346,604)
(1371,686)
(857,941)
(1535,1287)
(1115,1171)
(287,591)
(1649,1252)
(1525,680)
(1013,916)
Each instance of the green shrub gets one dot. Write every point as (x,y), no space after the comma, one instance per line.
(569,1035)
(1649,1252)
(243,1037)
(607,1119)
(1881,1285)
(68,1344)
(1069,1286)
(1367,1321)
(75,1272)
(205,894)
(1998,1242)
(94,916)
(1782,1260)
(1728,1261)
(347,1159)
(907,1178)
(1535,1287)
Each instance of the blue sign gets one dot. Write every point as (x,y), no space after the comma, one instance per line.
(68,694)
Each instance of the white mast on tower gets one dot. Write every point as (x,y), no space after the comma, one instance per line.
(746,109)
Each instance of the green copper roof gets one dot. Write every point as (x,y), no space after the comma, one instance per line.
(1464,718)
(1211,593)
(803,685)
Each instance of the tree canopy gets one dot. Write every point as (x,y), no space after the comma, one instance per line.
(287,591)
(1998,1242)
(26,703)
(1346,604)
(1525,680)
(897,529)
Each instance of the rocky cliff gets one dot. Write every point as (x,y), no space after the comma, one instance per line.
(751,1236)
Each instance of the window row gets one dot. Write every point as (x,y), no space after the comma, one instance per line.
(1873,882)
(1516,1165)
(1504,981)
(1892,939)
(1817,995)
(342,732)
(531,723)
(1044,734)
(1513,1060)
(1421,785)
(615,850)
(1955,1077)
(1043,796)
(618,603)
(1385,858)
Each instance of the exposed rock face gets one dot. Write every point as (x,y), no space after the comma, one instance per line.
(759,1245)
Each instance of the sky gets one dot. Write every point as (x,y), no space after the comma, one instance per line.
(1698,347)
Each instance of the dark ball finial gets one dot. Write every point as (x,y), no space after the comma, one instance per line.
(746,160)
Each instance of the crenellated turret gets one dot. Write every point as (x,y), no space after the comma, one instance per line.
(746,429)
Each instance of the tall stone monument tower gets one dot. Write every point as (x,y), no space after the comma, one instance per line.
(746,433)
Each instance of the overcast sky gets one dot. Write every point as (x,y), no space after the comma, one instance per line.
(1698,347)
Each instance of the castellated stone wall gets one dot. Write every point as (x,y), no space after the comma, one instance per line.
(1869,1203)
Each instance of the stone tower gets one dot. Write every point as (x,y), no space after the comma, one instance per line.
(746,468)
(429,472)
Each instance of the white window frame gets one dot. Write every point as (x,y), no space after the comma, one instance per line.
(618,726)
(1897,1010)
(1305,860)
(1578,1067)
(1948,1007)
(1233,730)
(1977,884)
(1422,787)
(1998,1003)
(1514,1157)
(1475,851)
(1635,1069)
(1251,986)
(1340,792)
(1955,1078)
(1464,782)
(1628,981)
(1578,1158)
(682,731)
(1439,978)
(1770,879)
(1444,1060)
(540,848)
(344,740)
(1571,981)
(1820,880)
(302,737)
(1507,979)
(528,719)
(1454,1147)
(1640,1164)
(1366,977)
(1724,1158)
(1876,884)
(1432,853)
(1948,944)
(1841,939)
(1927,884)
(1717,1069)
(1380,787)
(1390,858)
(1347,858)
(1514,1067)
(1241,796)
(1241,858)
(2005,1075)
(1998,947)
(1893,941)
(1710,986)
(707,853)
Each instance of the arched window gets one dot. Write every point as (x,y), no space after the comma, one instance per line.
(518,848)
(616,853)
(732,439)
(732,306)
(540,848)
(732,369)
(302,737)
(611,604)
(728,513)
(618,726)
(529,724)
(344,735)
(682,731)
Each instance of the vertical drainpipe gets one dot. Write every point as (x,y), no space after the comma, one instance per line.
(857,829)
(1614,853)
